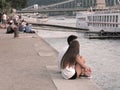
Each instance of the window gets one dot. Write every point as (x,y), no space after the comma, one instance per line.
(116,18)
(100,18)
(110,18)
(113,18)
(107,18)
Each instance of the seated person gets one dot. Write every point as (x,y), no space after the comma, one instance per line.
(28,29)
(21,28)
(2,25)
(9,28)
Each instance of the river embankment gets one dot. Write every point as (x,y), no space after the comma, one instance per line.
(24,65)
(102,55)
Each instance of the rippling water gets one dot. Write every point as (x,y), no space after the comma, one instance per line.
(103,56)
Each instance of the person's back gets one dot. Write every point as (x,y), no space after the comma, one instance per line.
(64,49)
(21,28)
(10,28)
(4,18)
(60,55)
(72,64)
(68,61)
(27,28)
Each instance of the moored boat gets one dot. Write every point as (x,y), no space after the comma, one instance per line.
(107,21)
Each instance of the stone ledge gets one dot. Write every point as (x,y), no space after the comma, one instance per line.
(77,84)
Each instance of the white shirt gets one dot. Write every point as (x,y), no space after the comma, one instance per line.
(4,17)
(60,55)
(68,72)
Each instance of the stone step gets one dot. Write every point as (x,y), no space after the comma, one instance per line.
(77,84)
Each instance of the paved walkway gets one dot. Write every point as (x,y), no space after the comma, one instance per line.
(27,63)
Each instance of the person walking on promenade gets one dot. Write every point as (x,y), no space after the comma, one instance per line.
(72,64)
(4,19)
(64,49)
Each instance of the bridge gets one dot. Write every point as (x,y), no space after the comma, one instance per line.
(67,6)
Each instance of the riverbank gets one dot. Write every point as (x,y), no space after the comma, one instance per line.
(26,62)
(102,55)
(23,62)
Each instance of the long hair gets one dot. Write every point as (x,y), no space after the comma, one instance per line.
(69,58)
(71,38)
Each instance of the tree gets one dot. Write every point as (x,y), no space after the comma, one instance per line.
(7,5)
(18,4)
(4,5)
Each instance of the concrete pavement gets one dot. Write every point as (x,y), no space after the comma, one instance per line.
(21,66)
(27,63)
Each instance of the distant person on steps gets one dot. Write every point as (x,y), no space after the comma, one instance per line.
(28,29)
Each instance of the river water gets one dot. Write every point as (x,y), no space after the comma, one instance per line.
(103,56)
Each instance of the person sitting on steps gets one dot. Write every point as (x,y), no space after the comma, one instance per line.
(64,49)
(28,29)
(11,27)
(72,64)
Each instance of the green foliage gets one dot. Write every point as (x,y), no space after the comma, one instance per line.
(18,4)
(7,5)
(4,5)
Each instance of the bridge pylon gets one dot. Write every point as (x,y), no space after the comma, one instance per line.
(100,4)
